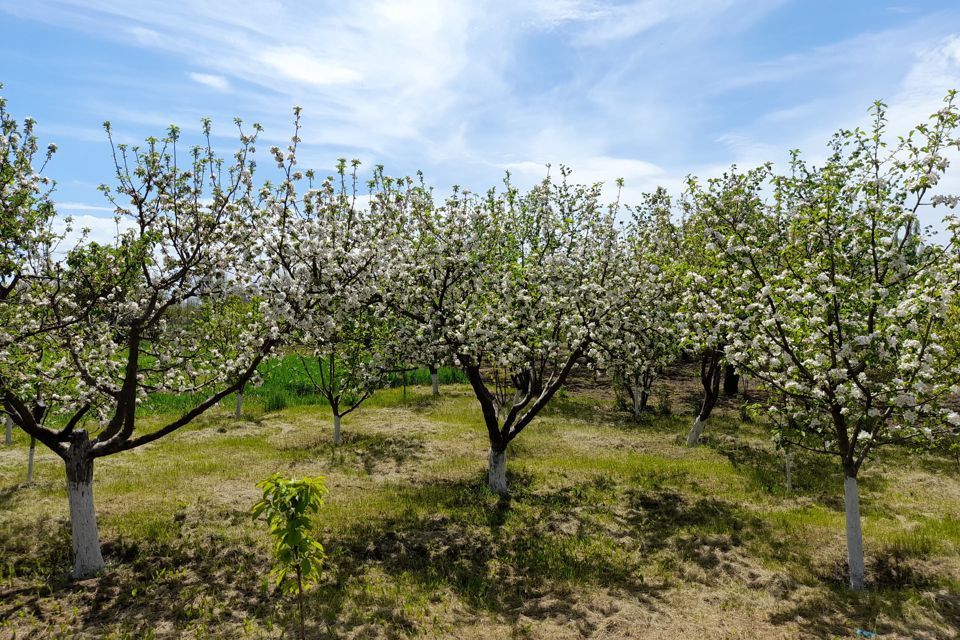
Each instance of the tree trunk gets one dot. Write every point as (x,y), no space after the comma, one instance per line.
(336,429)
(434,380)
(693,438)
(710,371)
(731,381)
(33,450)
(788,463)
(9,439)
(238,411)
(635,396)
(87,559)
(851,501)
(497,471)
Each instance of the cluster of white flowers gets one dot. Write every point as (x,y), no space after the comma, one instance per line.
(820,283)
(95,329)
(841,304)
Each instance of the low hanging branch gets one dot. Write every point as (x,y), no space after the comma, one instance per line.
(115,323)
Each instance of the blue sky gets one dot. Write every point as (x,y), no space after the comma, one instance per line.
(647,90)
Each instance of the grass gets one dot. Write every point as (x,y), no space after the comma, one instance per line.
(612,529)
(285,384)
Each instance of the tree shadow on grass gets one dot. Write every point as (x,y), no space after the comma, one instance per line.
(194,579)
(838,612)
(498,555)
(368,451)
(535,554)
(505,556)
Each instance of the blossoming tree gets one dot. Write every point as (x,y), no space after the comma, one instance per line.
(513,286)
(318,250)
(27,242)
(846,305)
(643,337)
(712,292)
(108,341)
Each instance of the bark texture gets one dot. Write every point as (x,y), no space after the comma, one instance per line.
(710,370)
(336,429)
(435,380)
(635,396)
(855,562)
(33,451)
(693,438)
(497,471)
(87,559)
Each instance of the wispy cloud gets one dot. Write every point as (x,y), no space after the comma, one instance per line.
(79,206)
(647,90)
(210,80)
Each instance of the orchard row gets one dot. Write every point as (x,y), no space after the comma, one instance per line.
(818,281)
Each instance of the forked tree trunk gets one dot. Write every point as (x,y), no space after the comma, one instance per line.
(336,429)
(851,502)
(497,471)
(87,559)
(434,380)
(9,437)
(33,451)
(710,371)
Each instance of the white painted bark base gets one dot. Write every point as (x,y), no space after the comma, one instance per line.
(635,392)
(9,437)
(693,438)
(336,430)
(87,559)
(435,383)
(851,502)
(33,450)
(238,412)
(788,463)
(497,471)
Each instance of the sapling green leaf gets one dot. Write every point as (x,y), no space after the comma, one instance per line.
(288,507)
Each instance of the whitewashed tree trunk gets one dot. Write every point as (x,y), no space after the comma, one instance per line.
(9,437)
(87,559)
(435,383)
(33,451)
(497,471)
(635,393)
(788,463)
(855,563)
(693,438)
(238,411)
(336,429)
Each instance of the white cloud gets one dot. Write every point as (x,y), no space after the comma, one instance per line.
(79,206)
(647,90)
(88,228)
(298,64)
(210,80)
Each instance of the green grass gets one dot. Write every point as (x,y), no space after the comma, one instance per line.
(612,527)
(286,384)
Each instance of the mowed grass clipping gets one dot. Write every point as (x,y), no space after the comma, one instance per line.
(613,529)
